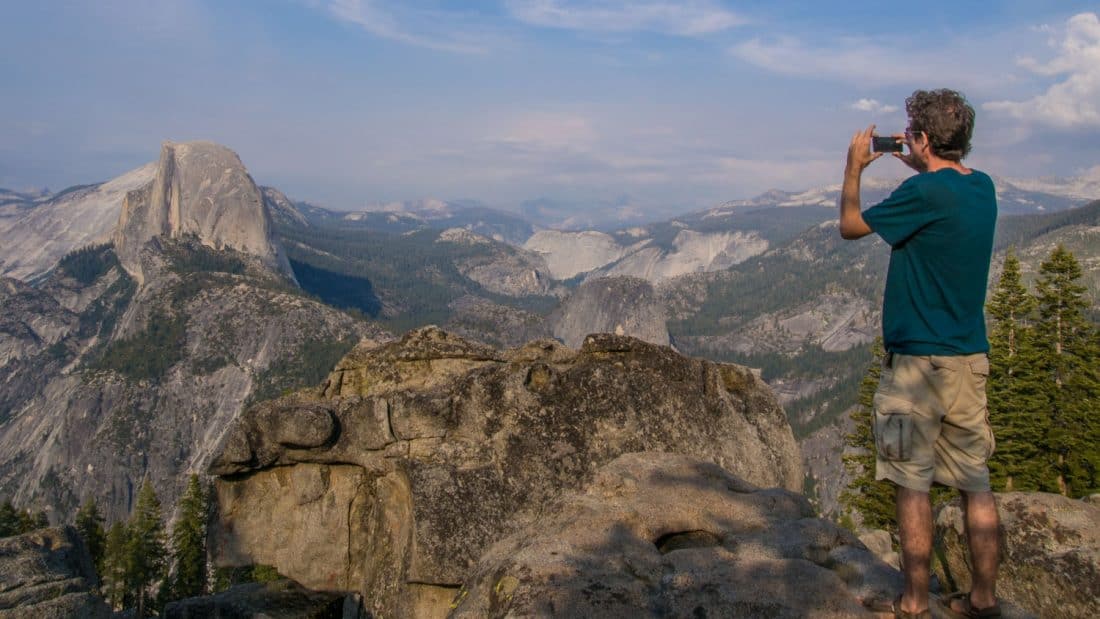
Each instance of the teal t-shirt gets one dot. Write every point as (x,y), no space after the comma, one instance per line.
(940,228)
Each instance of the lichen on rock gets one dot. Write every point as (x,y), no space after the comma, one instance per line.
(438,447)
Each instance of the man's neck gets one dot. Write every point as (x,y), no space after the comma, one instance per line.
(936,163)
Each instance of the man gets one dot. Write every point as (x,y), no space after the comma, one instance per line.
(930,417)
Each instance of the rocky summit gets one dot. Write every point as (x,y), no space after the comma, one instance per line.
(200,189)
(129,360)
(667,535)
(395,476)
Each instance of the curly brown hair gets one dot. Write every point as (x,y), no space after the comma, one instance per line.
(946,118)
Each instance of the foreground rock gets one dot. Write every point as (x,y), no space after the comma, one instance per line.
(1051,553)
(283,599)
(414,457)
(48,574)
(664,535)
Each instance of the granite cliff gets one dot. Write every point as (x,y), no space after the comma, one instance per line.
(200,189)
(395,475)
(131,360)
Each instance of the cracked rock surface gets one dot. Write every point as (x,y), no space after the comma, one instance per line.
(667,535)
(414,457)
(1050,552)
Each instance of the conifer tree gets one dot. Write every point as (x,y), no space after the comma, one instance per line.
(146,549)
(115,572)
(1068,362)
(9,519)
(90,524)
(872,499)
(189,542)
(1017,400)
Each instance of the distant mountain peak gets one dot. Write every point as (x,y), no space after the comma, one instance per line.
(200,189)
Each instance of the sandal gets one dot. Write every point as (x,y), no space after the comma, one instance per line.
(901,614)
(968,610)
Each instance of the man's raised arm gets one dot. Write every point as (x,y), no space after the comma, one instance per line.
(860,156)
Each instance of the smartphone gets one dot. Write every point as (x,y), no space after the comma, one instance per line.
(886,144)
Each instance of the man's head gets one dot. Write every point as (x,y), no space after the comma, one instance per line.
(945,118)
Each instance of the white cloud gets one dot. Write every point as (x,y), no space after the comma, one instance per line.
(548,130)
(859,61)
(1073,102)
(692,18)
(385,22)
(873,106)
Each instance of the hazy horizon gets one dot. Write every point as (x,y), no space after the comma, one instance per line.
(650,107)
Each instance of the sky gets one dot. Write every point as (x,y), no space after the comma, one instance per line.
(626,107)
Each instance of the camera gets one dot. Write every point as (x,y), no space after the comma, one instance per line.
(886,144)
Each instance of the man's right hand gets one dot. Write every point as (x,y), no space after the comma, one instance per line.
(909,158)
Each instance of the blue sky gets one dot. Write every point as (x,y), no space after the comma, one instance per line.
(645,106)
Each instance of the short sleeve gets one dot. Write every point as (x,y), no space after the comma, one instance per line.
(901,215)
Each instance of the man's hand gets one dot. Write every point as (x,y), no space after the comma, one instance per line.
(859,151)
(911,160)
(860,156)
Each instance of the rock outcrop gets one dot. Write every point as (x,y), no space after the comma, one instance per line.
(200,189)
(105,383)
(282,599)
(414,457)
(498,267)
(1050,549)
(48,574)
(32,242)
(690,252)
(666,535)
(568,254)
(620,305)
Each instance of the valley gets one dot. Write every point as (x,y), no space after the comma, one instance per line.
(169,331)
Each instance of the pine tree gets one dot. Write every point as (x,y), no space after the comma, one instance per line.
(90,524)
(872,499)
(116,569)
(1072,384)
(9,519)
(39,520)
(189,542)
(1017,401)
(146,550)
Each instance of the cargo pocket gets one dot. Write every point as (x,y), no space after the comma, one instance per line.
(893,428)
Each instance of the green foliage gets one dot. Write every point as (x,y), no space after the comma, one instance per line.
(189,543)
(115,572)
(149,354)
(872,499)
(18,522)
(1044,385)
(89,522)
(307,367)
(146,552)
(1067,362)
(189,255)
(1015,231)
(88,264)
(1015,392)
(402,280)
(226,577)
(100,317)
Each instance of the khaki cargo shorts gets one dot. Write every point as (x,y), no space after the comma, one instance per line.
(931,422)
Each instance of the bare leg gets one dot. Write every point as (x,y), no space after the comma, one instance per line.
(982,525)
(915,530)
